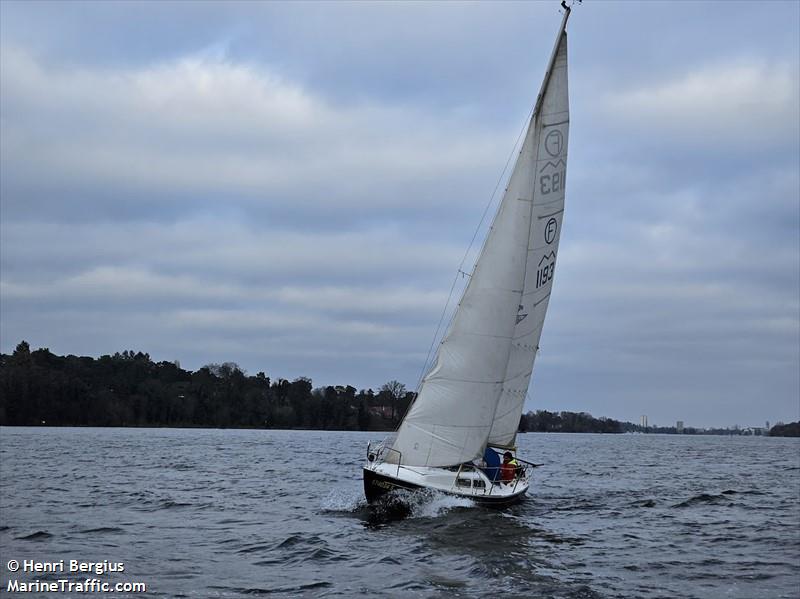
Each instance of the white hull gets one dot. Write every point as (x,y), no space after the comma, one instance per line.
(470,483)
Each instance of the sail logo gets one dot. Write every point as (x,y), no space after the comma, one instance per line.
(547,266)
(520,317)
(560,162)
(550,230)
(554,143)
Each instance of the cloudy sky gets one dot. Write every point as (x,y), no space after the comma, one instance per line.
(292,187)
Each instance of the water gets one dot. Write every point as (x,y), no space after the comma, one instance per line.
(223,513)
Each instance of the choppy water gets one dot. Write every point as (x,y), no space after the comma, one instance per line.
(222,513)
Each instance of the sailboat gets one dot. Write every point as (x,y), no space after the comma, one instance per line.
(469,404)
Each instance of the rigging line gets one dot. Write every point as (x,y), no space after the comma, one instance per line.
(425,365)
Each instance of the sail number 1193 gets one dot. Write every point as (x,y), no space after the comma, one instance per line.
(547,266)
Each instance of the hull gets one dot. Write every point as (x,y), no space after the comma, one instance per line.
(377,485)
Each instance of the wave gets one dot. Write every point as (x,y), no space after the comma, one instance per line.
(339,500)
(397,505)
(402,505)
(296,539)
(434,504)
(102,529)
(747,492)
(39,534)
(282,590)
(703,499)
(644,503)
(170,504)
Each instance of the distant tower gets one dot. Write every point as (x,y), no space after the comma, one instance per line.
(767,427)
(644,421)
(679,427)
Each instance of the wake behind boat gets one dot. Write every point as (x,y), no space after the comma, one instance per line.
(458,437)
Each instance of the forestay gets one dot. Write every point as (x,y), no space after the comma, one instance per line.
(475,391)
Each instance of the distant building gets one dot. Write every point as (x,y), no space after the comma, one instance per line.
(679,426)
(767,423)
(644,421)
(382,411)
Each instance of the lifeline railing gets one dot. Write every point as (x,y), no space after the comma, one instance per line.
(523,473)
(379,454)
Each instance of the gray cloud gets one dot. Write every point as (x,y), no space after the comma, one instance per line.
(236,132)
(292,189)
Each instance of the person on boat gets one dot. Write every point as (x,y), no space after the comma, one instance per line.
(510,468)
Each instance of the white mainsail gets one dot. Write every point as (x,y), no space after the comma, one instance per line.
(475,389)
(551,133)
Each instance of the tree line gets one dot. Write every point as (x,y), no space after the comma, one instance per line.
(543,421)
(129,389)
(785,430)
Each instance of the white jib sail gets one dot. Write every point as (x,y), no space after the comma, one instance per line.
(451,418)
(551,130)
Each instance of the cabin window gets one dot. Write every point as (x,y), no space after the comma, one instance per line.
(462,482)
(479,484)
